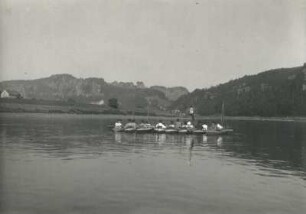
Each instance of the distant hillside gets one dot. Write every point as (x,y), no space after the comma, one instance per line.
(172,93)
(279,92)
(65,87)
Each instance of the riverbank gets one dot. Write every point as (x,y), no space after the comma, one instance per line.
(50,106)
(60,107)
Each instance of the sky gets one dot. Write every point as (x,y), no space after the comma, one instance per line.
(191,43)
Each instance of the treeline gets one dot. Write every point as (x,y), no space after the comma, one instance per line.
(280,92)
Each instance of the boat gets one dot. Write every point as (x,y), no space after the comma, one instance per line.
(198,131)
(160,130)
(224,130)
(174,131)
(144,130)
(130,130)
(182,131)
(171,131)
(219,132)
(118,129)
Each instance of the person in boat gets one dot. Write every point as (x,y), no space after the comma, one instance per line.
(204,127)
(131,124)
(171,125)
(142,124)
(148,125)
(219,127)
(199,124)
(213,127)
(191,112)
(118,124)
(184,125)
(178,124)
(160,125)
(189,125)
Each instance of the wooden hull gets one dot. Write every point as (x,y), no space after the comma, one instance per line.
(174,131)
(219,132)
(130,130)
(144,130)
(159,130)
(171,131)
(118,129)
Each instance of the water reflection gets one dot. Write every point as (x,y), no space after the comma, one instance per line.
(160,139)
(189,144)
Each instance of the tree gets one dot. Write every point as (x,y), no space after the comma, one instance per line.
(113,103)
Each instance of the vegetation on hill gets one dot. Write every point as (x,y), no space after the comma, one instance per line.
(65,87)
(279,92)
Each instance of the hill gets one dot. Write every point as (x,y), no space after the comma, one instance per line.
(171,93)
(65,87)
(278,92)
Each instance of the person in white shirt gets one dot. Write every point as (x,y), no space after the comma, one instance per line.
(160,125)
(204,127)
(189,125)
(219,127)
(131,124)
(118,124)
(191,113)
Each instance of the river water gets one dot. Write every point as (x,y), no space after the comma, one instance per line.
(75,164)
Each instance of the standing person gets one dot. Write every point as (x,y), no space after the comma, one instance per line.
(191,113)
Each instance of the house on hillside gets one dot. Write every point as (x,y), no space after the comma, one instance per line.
(100,102)
(10,94)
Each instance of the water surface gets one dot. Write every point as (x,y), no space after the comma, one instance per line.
(75,164)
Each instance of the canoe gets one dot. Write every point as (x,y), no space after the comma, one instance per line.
(129,130)
(183,131)
(171,131)
(117,129)
(144,130)
(198,131)
(219,132)
(159,130)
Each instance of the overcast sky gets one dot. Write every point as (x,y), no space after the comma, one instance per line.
(191,43)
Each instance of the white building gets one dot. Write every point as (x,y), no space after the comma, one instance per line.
(101,102)
(10,94)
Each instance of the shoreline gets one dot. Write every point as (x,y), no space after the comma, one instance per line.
(166,117)
(59,107)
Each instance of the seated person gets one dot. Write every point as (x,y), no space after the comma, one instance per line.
(213,127)
(184,125)
(219,127)
(198,124)
(131,124)
(148,125)
(178,124)
(204,127)
(171,125)
(118,124)
(142,124)
(189,125)
(160,125)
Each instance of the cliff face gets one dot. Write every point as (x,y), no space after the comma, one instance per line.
(279,92)
(65,87)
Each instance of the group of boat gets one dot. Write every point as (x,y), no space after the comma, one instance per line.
(132,127)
